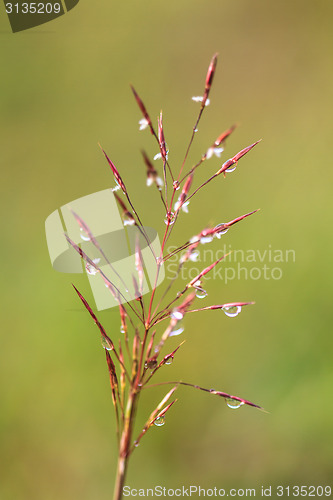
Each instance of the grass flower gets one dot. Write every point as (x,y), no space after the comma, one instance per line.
(147,322)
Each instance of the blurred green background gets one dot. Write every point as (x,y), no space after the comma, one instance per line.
(65,87)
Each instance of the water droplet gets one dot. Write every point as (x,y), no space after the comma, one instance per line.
(176,314)
(195,130)
(170,218)
(231,169)
(200,293)
(105,344)
(83,235)
(232,311)
(122,329)
(159,421)
(176,185)
(177,330)
(219,234)
(233,403)
(168,361)
(151,363)
(136,444)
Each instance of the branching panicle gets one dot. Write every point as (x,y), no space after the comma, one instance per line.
(143,339)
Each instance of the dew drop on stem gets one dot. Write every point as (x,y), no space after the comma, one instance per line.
(105,344)
(234,404)
(231,169)
(170,218)
(177,330)
(223,231)
(200,293)
(159,421)
(151,364)
(83,235)
(231,311)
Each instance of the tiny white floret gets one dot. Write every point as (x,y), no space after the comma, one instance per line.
(214,151)
(199,98)
(143,123)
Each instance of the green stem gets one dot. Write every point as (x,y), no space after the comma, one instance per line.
(125,445)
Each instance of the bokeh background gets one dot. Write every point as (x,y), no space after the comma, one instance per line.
(65,87)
